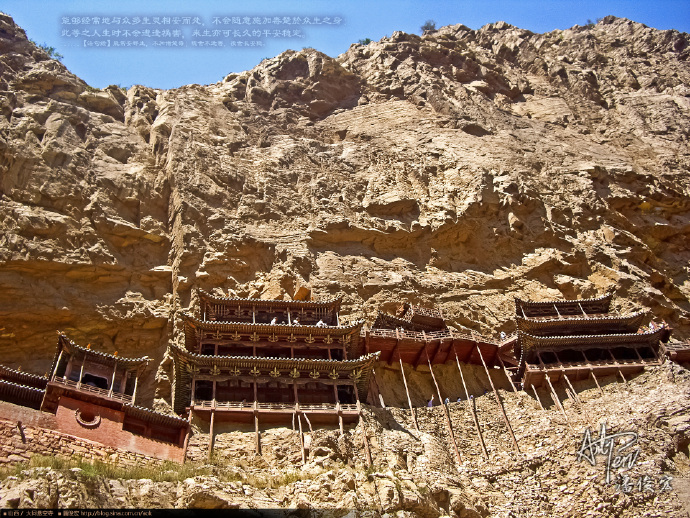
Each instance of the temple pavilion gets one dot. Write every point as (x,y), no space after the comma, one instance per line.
(418,335)
(93,395)
(269,362)
(573,339)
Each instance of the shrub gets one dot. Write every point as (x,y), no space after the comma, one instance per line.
(429,26)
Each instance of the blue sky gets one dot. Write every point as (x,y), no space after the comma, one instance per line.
(165,44)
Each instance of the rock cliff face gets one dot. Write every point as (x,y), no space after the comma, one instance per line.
(459,169)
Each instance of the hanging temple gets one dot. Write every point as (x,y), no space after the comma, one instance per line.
(264,363)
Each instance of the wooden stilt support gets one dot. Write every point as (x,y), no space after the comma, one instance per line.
(308,422)
(498,400)
(591,371)
(257,434)
(409,401)
(445,412)
(301,438)
(367,451)
(555,397)
(510,378)
(577,398)
(474,414)
(212,438)
(186,437)
(623,377)
(536,394)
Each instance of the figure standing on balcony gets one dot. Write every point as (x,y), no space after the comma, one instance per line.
(431,401)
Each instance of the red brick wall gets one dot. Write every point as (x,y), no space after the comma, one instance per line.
(61,434)
(109,431)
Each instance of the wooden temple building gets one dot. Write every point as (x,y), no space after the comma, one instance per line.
(262,363)
(270,362)
(93,396)
(416,335)
(574,339)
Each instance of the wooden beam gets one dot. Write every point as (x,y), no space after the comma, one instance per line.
(510,379)
(134,393)
(367,451)
(57,364)
(472,410)
(555,396)
(409,401)
(301,438)
(308,422)
(445,412)
(211,438)
(537,396)
(450,351)
(257,434)
(500,403)
(438,348)
(591,371)
(186,437)
(577,398)
(395,350)
(419,357)
(112,381)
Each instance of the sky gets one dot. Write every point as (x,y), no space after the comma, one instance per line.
(170,43)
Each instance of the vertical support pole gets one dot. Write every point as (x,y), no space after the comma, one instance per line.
(301,439)
(367,451)
(338,409)
(212,438)
(536,394)
(500,403)
(256,431)
(510,379)
(306,417)
(474,414)
(136,383)
(577,398)
(253,313)
(193,389)
(445,410)
(623,377)
(81,371)
(591,371)
(112,381)
(289,316)
(57,364)
(214,393)
(186,437)
(409,401)
(555,396)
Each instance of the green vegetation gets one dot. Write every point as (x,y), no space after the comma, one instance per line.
(51,51)
(429,26)
(227,470)
(163,472)
(365,41)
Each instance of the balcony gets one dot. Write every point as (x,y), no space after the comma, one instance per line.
(81,387)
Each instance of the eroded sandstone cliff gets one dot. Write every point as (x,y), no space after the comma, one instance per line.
(459,169)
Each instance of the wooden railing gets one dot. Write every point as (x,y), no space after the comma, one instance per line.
(219,405)
(94,390)
(598,363)
(428,336)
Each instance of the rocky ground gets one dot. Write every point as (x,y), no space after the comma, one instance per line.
(460,169)
(415,473)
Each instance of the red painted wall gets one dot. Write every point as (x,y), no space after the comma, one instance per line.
(109,430)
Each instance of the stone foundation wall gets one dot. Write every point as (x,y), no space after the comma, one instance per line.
(39,435)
